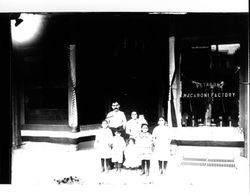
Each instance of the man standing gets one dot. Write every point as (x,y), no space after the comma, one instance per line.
(117,120)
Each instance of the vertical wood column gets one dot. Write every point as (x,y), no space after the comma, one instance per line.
(16,133)
(177,84)
(171,75)
(72,103)
(174,115)
(174,109)
(244,95)
(17,100)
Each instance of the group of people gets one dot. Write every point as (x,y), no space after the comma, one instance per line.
(130,144)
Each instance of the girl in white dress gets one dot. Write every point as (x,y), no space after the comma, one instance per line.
(133,126)
(144,143)
(131,155)
(162,139)
(102,144)
(118,147)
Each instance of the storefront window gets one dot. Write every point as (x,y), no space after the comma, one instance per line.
(210,85)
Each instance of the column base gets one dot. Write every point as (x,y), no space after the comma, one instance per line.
(74,129)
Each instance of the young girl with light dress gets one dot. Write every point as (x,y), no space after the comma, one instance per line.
(133,126)
(118,147)
(144,143)
(162,138)
(102,144)
(131,155)
(142,119)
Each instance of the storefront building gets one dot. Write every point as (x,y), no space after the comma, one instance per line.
(193,69)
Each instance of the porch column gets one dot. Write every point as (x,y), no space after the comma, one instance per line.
(72,104)
(17,101)
(174,113)
(244,95)
(16,132)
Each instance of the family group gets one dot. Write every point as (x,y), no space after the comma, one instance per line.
(121,143)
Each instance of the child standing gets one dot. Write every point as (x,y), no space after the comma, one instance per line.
(162,140)
(103,143)
(131,155)
(118,147)
(144,143)
(142,119)
(133,126)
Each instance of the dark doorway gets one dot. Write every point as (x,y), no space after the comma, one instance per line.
(123,58)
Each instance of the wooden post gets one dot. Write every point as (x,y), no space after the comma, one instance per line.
(16,85)
(171,73)
(72,104)
(174,113)
(178,85)
(16,128)
(244,94)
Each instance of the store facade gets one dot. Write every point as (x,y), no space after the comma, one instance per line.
(192,69)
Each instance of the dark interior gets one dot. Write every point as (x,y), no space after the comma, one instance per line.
(120,58)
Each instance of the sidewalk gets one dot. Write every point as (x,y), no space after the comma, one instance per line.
(43,163)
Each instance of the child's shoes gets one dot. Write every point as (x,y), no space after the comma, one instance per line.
(142,172)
